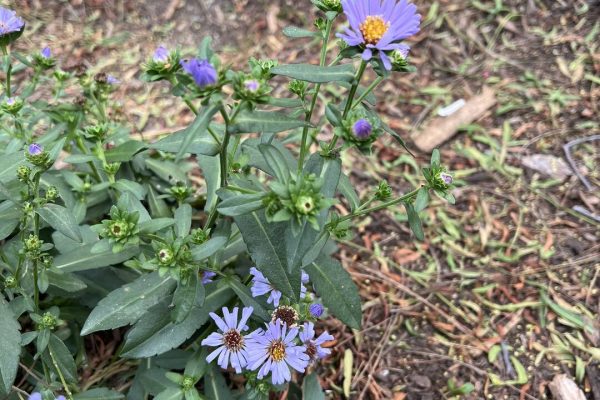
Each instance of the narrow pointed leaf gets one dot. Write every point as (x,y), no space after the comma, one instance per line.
(264,121)
(315,73)
(10,347)
(60,219)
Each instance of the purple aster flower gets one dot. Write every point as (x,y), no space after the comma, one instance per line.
(362,129)
(304,280)
(35,149)
(313,346)
(251,85)
(61,397)
(9,21)
(230,341)
(447,178)
(316,310)
(202,71)
(161,54)
(207,277)
(46,53)
(111,80)
(261,285)
(379,25)
(35,396)
(275,351)
(10,101)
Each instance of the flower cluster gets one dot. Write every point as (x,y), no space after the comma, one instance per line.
(121,229)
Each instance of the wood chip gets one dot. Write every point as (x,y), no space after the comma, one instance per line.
(443,128)
(563,388)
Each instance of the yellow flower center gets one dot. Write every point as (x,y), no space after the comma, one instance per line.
(277,350)
(373,29)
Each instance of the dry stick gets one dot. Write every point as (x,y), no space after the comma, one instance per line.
(423,300)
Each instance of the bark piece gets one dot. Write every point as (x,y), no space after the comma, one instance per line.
(443,128)
(563,388)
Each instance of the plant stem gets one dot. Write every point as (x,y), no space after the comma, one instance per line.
(381,206)
(8,66)
(84,150)
(60,375)
(36,232)
(372,86)
(350,100)
(309,113)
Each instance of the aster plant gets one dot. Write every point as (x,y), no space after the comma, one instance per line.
(100,231)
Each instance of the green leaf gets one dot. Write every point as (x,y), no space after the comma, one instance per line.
(209,248)
(215,387)
(60,219)
(276,161)
(7,227)
(127,304)
(58,355)
(82,258)
(240,204)
(397,137)
(334,116)
(186,296)
(296,32)
(125,185)
(347,190)
(183,220)
(198,128)
(414,221)
(337,290)
(315,73)
(422,199)
(10,347)
(9,164)
(99,394)
(243,292)
(268,250)
(80,158)
(155,225)
(125,151)
(435,157)
(65,281)
(158,207)
(155,333)
(311,388)
(166,170)
(264,121)
(170,393)
(211,170)
(200,144)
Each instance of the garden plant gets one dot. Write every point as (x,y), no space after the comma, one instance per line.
(217,289)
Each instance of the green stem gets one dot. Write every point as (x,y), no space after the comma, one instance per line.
(8,67)
(351,94)
(189,103)
(309,113)
(84,150)
(36,232)
(381,206)
(60,375)
(372,86)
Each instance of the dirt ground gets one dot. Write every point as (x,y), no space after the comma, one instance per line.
(434,311)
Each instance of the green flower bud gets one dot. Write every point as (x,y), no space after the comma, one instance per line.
(305,205)
(10,282)
(61,76)
(49,321)
(23,173)
(298,88)
(199,236)
(28,208)
(384,191)
(32,244)
(112,168)
(165,256)
(187,383)
(12,105)
(47,261)
(118,229)
(180,192)
(248,87)
(97,132)
(39,157)
(51,193)
(87,186)
(320,24)
(329,5)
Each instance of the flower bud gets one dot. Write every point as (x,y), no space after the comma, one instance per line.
(98,131)
(112,168)
(187,383)
(49,321)
(316,310)
(61,75)
(286,314)
(305,204)
(10,282)
(44,59)
(165,256)
(23,173)
(180,192)
(199,236)
(362,129)
(298,88)
(36,155)
(384,191)
(51,193)
(32,245)
(12,105)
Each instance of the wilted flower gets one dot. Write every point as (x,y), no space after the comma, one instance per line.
(230,341)
(261,285)
(316,310)
(202,71)
(377,25)
(446,178)
(161,55)
(286,314)
(313,346)
(9,22)
(275,351)
(207,277)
